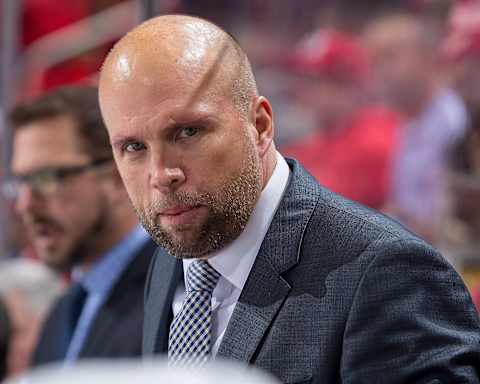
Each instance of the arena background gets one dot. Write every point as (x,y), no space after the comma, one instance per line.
(48,43)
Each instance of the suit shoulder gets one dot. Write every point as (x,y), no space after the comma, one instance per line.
(335,215)
(339,212)
(341,232)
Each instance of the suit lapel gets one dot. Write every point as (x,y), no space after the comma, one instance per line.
(53,341)
(254,312)
(165,273)
(101,330)
(129,287)
(265,290)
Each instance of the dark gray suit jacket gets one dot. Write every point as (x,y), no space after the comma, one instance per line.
(338,294)
(117,329)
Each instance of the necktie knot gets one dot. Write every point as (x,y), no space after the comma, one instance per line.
(201,276)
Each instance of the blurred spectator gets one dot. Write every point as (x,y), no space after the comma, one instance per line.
(462,50)
(350,151)
(78,216)
(462,230)
(28,289)
(465,185)
(404,50)
(462,227)
(5,335)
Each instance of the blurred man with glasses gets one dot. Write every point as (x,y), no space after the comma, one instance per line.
(71,200)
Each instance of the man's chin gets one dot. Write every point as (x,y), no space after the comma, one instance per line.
(192,245)
(54,260)
(181,248)
(182,244)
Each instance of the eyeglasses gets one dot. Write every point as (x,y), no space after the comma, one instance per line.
(46,181)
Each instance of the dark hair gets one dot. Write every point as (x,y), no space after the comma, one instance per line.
(78,102)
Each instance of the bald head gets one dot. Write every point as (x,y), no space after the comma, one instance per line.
(182,49)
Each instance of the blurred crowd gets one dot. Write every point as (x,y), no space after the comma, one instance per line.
(380,101)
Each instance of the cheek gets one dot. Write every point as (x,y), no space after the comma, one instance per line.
(218,159)
(79,210)
(135,181)
(64,211)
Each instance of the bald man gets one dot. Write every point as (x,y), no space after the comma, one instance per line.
(265,265)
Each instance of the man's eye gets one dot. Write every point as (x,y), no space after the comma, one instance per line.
(187,132)
(133,147)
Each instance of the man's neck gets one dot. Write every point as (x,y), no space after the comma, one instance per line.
(107,239)
(268,165)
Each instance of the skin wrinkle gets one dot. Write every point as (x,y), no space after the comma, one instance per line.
(222,169)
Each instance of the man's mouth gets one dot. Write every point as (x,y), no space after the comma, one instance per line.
(174,211)
(179,215)
(41,230)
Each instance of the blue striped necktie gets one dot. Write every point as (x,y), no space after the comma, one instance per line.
(189,342)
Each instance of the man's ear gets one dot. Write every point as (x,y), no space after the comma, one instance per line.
(262,120)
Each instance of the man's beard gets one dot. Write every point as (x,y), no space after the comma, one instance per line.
(80,245)
(229,209)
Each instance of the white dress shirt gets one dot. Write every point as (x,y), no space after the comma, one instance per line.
(235,261)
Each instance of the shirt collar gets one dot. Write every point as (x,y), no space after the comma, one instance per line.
(108,269)
(235,261)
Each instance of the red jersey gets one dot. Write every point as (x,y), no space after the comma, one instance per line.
(354,161)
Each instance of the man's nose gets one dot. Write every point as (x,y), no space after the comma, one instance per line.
(27,199)
(165,177)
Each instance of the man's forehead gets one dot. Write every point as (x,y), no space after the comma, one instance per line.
(141,90)
(155,116)
(188,63)
(55,129)
(154,95)
(46,142)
